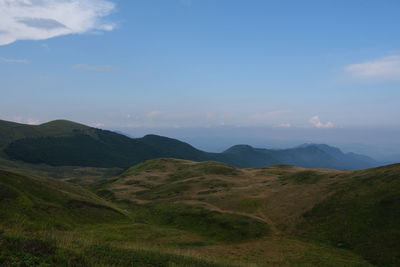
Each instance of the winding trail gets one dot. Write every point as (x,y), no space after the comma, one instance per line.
(261,217)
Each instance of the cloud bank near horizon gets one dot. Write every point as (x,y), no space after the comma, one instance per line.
(316,121)
(44,19)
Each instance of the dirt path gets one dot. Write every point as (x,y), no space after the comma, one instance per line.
(260,217)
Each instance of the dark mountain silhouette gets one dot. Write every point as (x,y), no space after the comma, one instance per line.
(63,143)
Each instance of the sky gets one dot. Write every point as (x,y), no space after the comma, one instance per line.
(270,73)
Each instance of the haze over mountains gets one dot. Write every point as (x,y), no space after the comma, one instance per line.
(66,143)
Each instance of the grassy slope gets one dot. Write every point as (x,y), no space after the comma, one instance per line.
(45,222)
(10,131)
(170,231)
(362,215)
(37,203)
(180,212)
(277,196)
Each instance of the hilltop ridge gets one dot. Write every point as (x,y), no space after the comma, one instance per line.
(319,205)
(63,143)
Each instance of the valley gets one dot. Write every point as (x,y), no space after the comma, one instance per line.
(180,212)
(170,211)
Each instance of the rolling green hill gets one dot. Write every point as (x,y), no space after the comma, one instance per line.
(45,222)
(354,211)
(362,215)
(177,211)
(64,143)
(41,203)
(172,212)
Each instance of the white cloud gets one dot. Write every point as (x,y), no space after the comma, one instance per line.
(20,119)
(32,122)
(44,19)
(94,67)
(318,124)
(98,124)
(283,125)
(13,60)
(386,68)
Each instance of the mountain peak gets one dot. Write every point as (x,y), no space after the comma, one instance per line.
(239,149)
(63,124)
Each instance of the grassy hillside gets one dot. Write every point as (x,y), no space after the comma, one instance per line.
(44,222)
(36,203)
(11,131)
(363,215)
(329,207)
(168,212)
(101,149)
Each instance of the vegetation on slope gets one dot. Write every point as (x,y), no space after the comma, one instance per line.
(45,222)
(100,149)
(11,131)
(39,203)
(19,251)
(363,215)
(214,225)
(355,211)
(230,216)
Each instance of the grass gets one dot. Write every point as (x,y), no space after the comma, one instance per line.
(45,222)
(303,177)
(214,225)
(20,251)
(329,207)
(250,204)
(42,203)
(164,191)
(147,166)
(363,216)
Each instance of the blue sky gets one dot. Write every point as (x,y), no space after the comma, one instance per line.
(229,64)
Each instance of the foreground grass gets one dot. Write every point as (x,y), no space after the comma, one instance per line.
(17,251)
(146,245)
(44,222)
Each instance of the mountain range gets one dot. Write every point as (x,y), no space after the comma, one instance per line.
(66,143)
(157,201)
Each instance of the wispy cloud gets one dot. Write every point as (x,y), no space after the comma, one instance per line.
(13,60)
(384,68)
(316,121)
(98,124)
(44,19)
(33,122)
(94,67)
(283,125)
(24,120)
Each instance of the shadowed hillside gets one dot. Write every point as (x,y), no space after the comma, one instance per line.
(40,203)
(11,131)
(64,143)
(362,215)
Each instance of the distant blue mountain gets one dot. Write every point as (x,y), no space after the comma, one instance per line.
(61,143)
